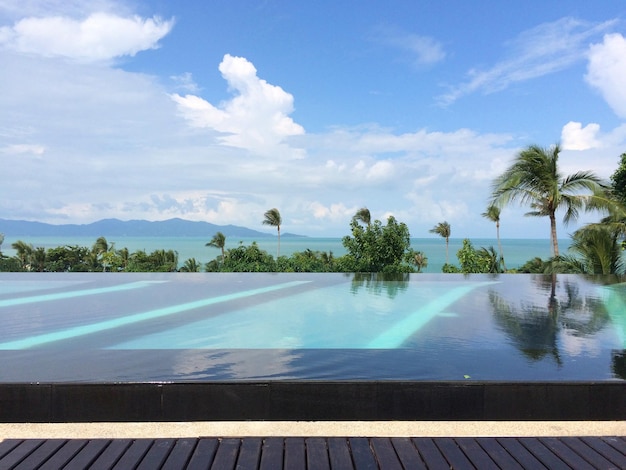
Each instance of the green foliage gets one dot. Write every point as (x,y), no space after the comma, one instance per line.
(618,180)
(244,259)
(68,259)
(534,266)
(377,247)
(484,260)
(157,261)
(190,266)
(534,180)
(599,249)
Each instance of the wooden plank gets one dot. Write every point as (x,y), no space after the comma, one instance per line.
(407,453)
(520,453)
(66,453)
(430,453)
(157,454)
(88,454)
(112,453)
(295,453)
(272,453)
(543,454)
(385,453)
(586,452)
(339,453)
(249,453)
(617,443)
(20,452)
(498,454)
(475,453)
(453,454)
(566,454)
(316,454)
(40,454)
(133,454)
(180,454)
(226,455)
(204,454)
(7,445)
(362,455)
(606,450)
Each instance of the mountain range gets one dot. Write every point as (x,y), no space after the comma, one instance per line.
(129,228)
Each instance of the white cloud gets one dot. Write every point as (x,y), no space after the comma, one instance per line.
(20,149)
(607,71)
(576,137)
(334,211)
(545,49)
(98,37)
(256,118)
(422,50)
(185,82)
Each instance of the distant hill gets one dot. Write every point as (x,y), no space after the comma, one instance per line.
(129,228)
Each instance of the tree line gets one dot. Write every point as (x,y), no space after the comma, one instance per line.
(533,179)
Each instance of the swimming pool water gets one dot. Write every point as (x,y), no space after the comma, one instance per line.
(128,327)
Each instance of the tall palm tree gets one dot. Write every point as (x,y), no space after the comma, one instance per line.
(443,230)
(534,179)
(218,241)
(493,213)
(363,215)
(272,217)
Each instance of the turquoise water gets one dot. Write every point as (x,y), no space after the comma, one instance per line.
(516,251)
(320,319)
(238,326)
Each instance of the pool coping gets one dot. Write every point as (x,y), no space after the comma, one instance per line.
(312,401)
(154,430)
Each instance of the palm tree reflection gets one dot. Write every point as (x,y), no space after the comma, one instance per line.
(377,283)
(537,323)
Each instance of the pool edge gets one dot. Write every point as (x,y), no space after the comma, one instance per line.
(312,401)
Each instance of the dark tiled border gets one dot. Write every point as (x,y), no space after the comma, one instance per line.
(312,400)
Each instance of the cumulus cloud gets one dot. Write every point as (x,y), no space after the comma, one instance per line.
(606,71)
(98,37)
(256,118)
(576,137)
(545,49)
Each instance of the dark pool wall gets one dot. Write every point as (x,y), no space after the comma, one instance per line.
(337,401)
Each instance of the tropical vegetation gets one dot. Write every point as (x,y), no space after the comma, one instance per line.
(533,179)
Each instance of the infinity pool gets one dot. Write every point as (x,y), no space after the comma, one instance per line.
(197,327)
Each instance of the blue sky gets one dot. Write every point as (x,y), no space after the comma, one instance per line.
(220,110)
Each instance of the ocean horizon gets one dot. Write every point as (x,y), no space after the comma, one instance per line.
(516,251)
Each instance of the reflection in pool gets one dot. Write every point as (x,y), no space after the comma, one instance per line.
(145,327)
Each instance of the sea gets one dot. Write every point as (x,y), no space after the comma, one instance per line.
(516,251)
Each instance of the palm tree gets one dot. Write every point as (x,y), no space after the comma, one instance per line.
(24,253)
(99,249)
(218,241)
(443,230)
(363,215)
(419,259)
(600,249)
(534,179)
(190,266)
(493,213)
(272,217)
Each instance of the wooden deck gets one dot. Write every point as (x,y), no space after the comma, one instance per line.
(316,453)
